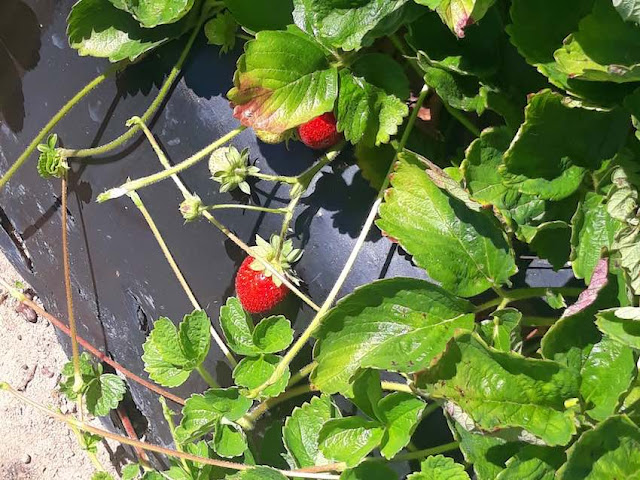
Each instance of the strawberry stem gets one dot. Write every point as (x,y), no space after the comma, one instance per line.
(273,178)
(75,351)
(149,446)
(248,421)
(207,377)
(457,114)
(168,416)
(256,208)
(18,295)
(286,221)
(301,184)
(56,118)
(231,236)
(303,373)
(137,201)
(524,293)
(317,319)
(133,185)
(155,105)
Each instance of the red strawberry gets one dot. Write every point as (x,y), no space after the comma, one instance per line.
(321,132)
(257,290)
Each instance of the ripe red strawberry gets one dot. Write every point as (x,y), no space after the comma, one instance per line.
(257,290)
(321,132)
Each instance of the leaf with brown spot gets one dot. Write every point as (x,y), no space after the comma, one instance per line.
(282,80)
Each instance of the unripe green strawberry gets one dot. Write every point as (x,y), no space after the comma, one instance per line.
(275,138)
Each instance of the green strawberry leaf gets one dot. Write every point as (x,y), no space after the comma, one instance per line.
(282,80)
(383,72)
(592,230)
(549,240)
(87,372)
(302,429)
(256,16)
(487,453)
(606,374)
(533,462)
(555,171)
(194,334)
(103,391)
(485,183)
(596,53)
(221,30)
(460,91)
(98,29)
(257,473)
(273,334)
(104,394)
(369,470)
(89,442)
(202,412)
(459,14)
(621,324)
(270,335)
(160,370)
(502,331)
(500,390)
(349,439)
(151,13)
(370,103)
(400,412)
(351,25)
(102,476)
(366,392)
(130,471)
(195,470)
(629,10)
(171,354)
(478,53)
(610,450)
(473,252)
(252,372)
(622,201)
(374,162)
(570,340)
(556,19)
(439,467)
(237,327)
(398,324)
(627,246)
(229,440)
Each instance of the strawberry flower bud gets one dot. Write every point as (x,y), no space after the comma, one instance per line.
(192,208)
(51,163)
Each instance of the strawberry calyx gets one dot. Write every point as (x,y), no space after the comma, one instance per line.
(269,252)
(230,167)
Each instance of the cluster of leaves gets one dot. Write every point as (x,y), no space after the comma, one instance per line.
(102,392)
(555,172)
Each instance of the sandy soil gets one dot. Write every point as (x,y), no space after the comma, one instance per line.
(33,446)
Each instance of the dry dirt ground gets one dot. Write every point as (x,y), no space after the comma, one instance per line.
(33,446)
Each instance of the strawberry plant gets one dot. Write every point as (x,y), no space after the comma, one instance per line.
(493,131)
